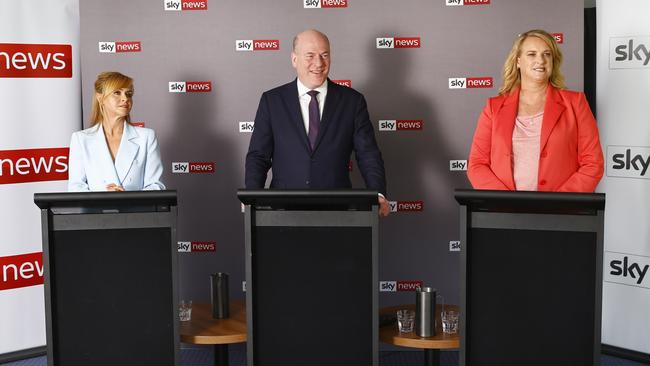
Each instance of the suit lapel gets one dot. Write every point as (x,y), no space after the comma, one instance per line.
(104,159)
(292,102)
(331,101)
(553,109)
(504,125)
(126,153)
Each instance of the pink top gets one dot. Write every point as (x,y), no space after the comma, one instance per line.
(526,138)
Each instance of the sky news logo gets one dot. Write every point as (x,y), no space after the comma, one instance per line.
(466,2)
(457,165)
(120,47)
(19,60)
(398,42)
(629,52)
(472,82)
(183,167)
(627,269)
(138,123)
(323,4)
(399,286)
(246,127)
(178,5)
(406,206)
(33,165)
(22,270)
(559,37)
(347,83)
(628,161)
(257,45)
(197,246)
(190,86)
(400,124)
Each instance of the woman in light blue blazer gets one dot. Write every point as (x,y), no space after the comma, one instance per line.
(114,155)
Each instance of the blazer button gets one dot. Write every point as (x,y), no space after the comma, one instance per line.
(307,182)
(542,182)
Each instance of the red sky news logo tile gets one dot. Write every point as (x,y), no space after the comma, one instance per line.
(138,123)
(19,60)
(33,165)
(350,166)
(178,5)
(559,37)
(466,2)
(246,127)
(197,246)
(22,270)
(401,124)
(406,206)
(120,47)
(398,42)
(318,4)
(347,83)
(399,286)
(190,86)
(471,82)
(257,45)
(184,167)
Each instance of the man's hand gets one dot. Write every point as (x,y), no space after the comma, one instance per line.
(114,187)
(384,207)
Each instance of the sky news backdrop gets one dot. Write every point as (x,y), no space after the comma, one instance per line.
(623,77)
(426,68)
(40,94)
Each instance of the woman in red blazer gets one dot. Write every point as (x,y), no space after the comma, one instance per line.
(536,135)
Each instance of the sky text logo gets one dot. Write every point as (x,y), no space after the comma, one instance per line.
(399,286)
(257,45)
(629,52)
(398,42)
(628,161)
(119,47)
(178,5)
(457,165)
(245,127)
(318,4)
(400,124)
(471,82)
(627,269)
(179,167)
(190,86)
(35,60)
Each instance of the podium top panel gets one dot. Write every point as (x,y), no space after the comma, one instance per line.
(527,201)
(105,199)
(304,199)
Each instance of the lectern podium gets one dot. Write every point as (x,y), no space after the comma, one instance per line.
(531,278)
(311,277)
(110,263)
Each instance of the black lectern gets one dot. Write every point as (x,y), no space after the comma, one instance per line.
(110,263)
(312,277)
(531,278)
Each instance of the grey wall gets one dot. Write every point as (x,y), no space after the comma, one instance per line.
(462,41)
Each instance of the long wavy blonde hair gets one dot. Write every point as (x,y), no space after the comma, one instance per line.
(106,83)
(512,75)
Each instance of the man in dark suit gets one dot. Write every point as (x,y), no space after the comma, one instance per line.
(307,129)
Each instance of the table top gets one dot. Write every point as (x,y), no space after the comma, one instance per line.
(390,334)
(203,329)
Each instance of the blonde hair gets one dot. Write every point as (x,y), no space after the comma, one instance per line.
(512,75)
(106,83)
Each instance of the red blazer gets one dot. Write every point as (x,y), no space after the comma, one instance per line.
(571,159)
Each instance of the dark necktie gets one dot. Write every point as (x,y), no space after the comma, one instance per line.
(314,118)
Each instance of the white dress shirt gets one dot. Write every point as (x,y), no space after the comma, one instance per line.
(306,98)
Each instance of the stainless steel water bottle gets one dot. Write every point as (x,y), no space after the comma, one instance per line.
(219,295)
(425,310)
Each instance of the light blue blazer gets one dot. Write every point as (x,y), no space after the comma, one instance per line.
(137,164)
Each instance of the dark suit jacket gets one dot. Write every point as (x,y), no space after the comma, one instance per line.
(279,141)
